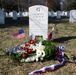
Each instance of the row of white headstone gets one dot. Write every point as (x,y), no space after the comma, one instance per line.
(24,14)
(19,14)
(51,14)
(59,14)
(71,14)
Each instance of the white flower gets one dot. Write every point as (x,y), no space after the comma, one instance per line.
(31,46)
(40,54)
(30,59)
(23,45)
(42,47)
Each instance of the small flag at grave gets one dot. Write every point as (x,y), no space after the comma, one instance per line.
(19,34)
(50,34)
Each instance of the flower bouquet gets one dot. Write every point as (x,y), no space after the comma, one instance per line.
(35,50)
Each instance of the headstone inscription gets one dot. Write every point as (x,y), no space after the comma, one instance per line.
(38,21)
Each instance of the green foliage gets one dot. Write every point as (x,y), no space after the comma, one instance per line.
(49,48)
(39,38)
(16,56)
(68,56)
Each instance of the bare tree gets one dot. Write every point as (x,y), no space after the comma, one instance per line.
(37,2)
(22,5)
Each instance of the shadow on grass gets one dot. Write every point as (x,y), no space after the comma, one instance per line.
(19,22)
(63,39)
(24,21)
(54,20)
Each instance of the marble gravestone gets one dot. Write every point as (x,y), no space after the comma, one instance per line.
(5,14)
(38,21)
(52,13)
(72,17)
(68,13)
(62,13)
(2,18)
(49,13)
(14,15)
(20,14)
(25,14)
(11,14)
(58,15)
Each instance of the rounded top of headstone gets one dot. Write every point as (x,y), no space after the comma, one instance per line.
(37,6)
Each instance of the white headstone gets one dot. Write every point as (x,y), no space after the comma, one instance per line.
(5,14)
(58,14)
(38,21)
(14,15)
(55,13)
(20,14)
(67,13)
(49,13)
(11,14)
(25,14)
(62,13)
(72,17)
(2,18)
(52,13)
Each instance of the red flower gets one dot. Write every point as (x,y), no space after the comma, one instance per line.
(29,50)
(24,48)
(27,44)
(25,55)
(21,48)
(33,41)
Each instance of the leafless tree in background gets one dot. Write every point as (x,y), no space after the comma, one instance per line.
(37,2)
(23,5)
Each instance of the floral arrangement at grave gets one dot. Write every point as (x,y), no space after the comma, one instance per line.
(40,50)
(35,50)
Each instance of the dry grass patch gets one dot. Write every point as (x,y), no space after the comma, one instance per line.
(64,34)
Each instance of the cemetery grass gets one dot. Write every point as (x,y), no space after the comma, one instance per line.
(64,34)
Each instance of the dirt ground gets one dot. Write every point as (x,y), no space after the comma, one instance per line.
(64,34)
